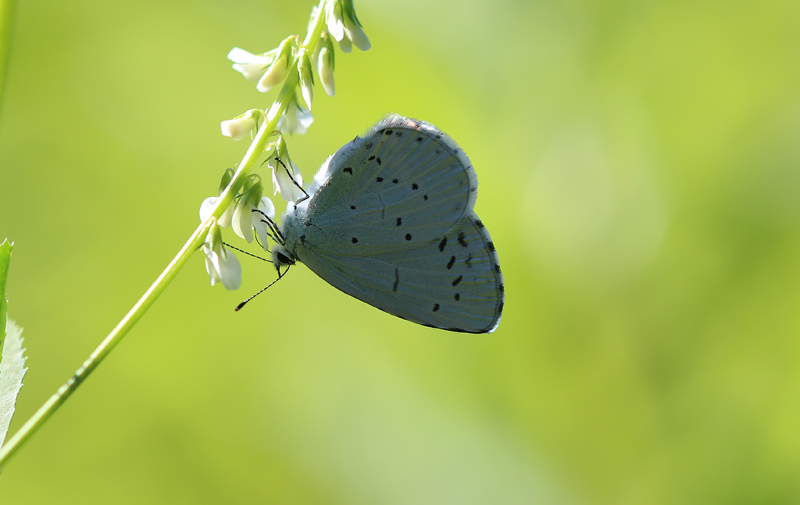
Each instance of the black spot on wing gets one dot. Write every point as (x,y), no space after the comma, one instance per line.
(457,296)
(348,170)
(399,221)
(355,240)
(408,236)
(451,262)
(371,158)
(387,132)
(419,139)
(368,145)
(378,160)
(379,179)
(462,239)
(478,223)
(414,186)
(395,181)
(490,244)
(425,197)
(353,207)
(396,279)
(457,280)
(436,307)
(442,244)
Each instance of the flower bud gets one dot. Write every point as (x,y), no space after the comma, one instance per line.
(238,128)
(306,78)
(278,69)
(243,124)
(325,64)
(352,27)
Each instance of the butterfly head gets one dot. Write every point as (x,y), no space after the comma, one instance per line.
(281,257)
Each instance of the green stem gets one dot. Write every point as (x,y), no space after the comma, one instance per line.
(195,241)
(6,25)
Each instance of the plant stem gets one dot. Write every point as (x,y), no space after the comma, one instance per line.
(33,424)
(6,27)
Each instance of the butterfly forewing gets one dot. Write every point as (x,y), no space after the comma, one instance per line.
(402,178)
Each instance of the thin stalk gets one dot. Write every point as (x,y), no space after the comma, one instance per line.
(255,150)
(6,29)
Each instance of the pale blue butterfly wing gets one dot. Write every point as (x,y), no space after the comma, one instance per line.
(390,221)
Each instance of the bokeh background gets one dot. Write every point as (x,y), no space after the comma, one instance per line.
(639,164)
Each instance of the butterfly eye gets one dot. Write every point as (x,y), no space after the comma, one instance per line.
(283,259)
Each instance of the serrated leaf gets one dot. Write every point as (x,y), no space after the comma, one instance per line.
(5,258)
(12,370)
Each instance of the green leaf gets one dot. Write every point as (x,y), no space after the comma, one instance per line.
(5,258)
(12,370)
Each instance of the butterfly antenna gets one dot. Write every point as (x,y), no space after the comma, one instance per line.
(272,226)
(293,181)
(247,253)
(280,276)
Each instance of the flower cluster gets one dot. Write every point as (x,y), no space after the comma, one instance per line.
(271,68)
(251,214)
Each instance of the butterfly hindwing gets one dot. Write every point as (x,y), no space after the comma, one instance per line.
(451,282)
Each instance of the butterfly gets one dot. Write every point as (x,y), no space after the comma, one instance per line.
(389,220)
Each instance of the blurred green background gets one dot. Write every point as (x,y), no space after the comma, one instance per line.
(639,165)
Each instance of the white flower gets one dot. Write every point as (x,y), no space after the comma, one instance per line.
(353,31)
(345,45)
(252,66)
(207,207)
(238,128)
(344,27)
(296,119)
(221,264)
(325,68)
(267,69)
(282,181)
(246,218)
(265,206)
(333,18)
